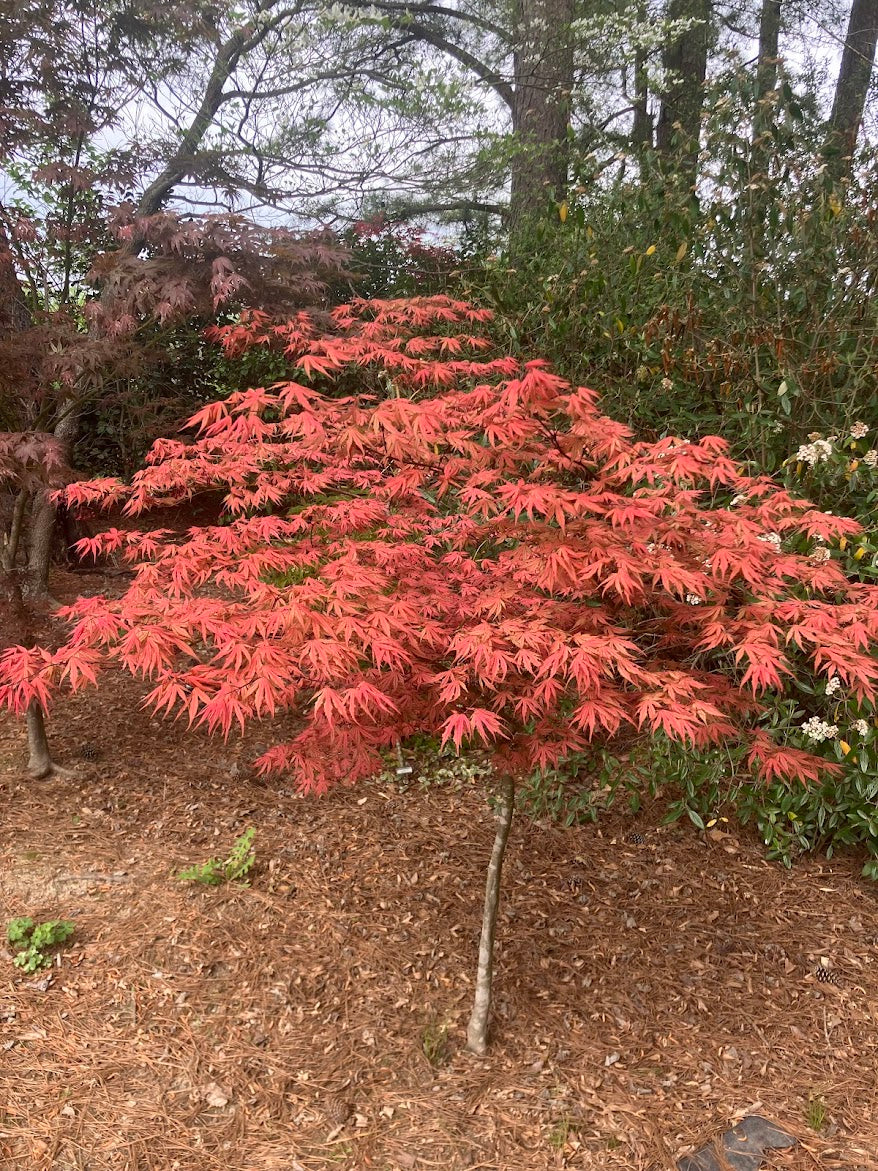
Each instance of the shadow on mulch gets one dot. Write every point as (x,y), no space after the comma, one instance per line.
(648,995)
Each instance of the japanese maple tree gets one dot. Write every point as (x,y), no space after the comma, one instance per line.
(477,552)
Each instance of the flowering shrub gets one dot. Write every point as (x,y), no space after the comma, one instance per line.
(819,715)
(841,472)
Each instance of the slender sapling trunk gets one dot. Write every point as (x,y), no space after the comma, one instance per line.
(477,1029)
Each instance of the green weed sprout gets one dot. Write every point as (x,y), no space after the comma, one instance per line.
(234,868)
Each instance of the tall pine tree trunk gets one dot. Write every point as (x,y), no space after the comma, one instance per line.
(852,87)
(543,80)
(766,68)
(684,60)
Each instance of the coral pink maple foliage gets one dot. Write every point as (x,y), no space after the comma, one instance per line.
(475,552)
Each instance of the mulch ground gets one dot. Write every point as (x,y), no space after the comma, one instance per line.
(648,995)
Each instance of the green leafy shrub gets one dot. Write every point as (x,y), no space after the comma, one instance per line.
(706,788)
(33,940)
(233,868)
(840,473)
(388,259)
(840,812)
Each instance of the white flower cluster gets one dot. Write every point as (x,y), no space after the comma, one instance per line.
(833,686)
(817,452)
(818,730)
(772,539)
(739,499)
(667,384)
(862,727)
(870,459)
(694,600)
(858,430)
(821,555)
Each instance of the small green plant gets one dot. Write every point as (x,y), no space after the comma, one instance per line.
(816,1113)
(32,940)
(434,1042)
(559,1133)
(233,868)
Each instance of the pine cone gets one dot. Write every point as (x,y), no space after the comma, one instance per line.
(826,975)
(636,839)
(337,1109)
(574,883)
(89,751)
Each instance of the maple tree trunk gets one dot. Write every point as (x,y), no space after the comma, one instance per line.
(40,763)
(477,1029)
(42,536)
(44,513)
(16,628)
(10,550)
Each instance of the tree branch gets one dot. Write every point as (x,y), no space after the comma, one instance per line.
(463,205)
(431,36)
(436,10)
(242,41)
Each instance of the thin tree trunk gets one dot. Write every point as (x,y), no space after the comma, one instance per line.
(477,1029)
(759,188)
(684,59)
(852,87)
(543,74)
(16,628)
(40,763)
(641,128)
(14,313)
(10,551)
(44,512)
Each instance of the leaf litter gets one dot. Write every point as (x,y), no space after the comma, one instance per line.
(640,1010)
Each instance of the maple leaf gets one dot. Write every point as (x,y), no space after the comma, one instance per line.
(477,723)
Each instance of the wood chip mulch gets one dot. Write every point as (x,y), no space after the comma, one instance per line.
(649,993)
